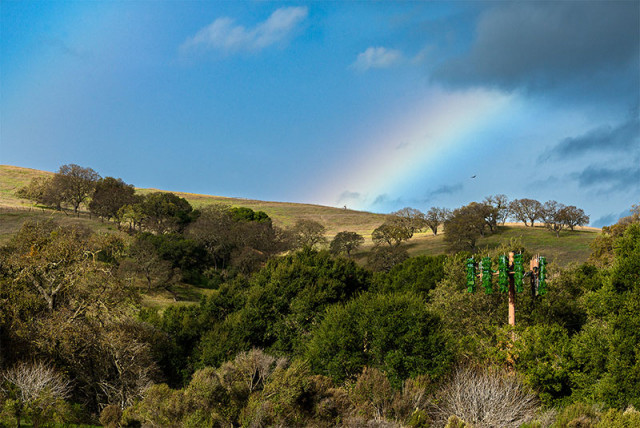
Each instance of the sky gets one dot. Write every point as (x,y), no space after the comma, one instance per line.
(371,105)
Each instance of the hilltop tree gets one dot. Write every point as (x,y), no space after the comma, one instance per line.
(132,213)
(247,214)
(346,242)
(308,233)
(463,228)
(42,190)
(109,196)
(501,204)
(488,213)
(166,212)
(240,238)
(411,219)
(526,210)
(554,216)
(74,184)
(436,216)
(391,232)
(575,216)
(214,231)
(35,190)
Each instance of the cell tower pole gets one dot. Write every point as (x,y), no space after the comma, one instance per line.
(512,292)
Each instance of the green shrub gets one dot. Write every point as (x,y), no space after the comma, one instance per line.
(394,333)
(578,415)
(613,418)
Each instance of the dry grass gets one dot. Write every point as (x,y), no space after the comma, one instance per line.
(12,218)
(570,247)
(12,178)
(284,214)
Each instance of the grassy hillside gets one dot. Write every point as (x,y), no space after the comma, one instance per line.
(570,247)
(284,214)
(12,178)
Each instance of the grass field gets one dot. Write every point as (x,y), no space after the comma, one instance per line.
(284,214)
(570,247)
(12,178)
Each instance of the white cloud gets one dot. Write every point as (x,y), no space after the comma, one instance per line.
(224,34)
(376,57)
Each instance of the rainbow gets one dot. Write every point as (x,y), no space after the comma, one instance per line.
(439,124)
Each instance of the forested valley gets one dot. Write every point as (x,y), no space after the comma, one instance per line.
(293,331)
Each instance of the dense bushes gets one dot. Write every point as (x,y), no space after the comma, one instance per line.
(341,346)
(281,304)
(392,332)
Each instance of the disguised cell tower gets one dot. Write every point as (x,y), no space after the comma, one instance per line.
(511,276)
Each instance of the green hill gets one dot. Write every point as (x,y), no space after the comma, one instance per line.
(570,247)
(284,214)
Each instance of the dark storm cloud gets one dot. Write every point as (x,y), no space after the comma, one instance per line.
(445,190)
(625,137)
(384,199)
(608,220)
(349,196)
(542,45)
(613,179)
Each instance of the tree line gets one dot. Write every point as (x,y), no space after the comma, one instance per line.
(200,246)
(465,225)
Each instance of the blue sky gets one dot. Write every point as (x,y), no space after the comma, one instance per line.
(373,105)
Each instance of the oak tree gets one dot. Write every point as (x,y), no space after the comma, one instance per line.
(346,242)
(575,216)
(109,196)
(501,204)
(308,233)
(526,210)
(411,219)
(435,217)
(74,184)
(553,215)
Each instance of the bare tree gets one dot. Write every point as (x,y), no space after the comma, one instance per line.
(485,397)
(36,387)
(129,365)
(526,210)
(574,216)
(501,204)
(372,394)
(249,370)
(553,215)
